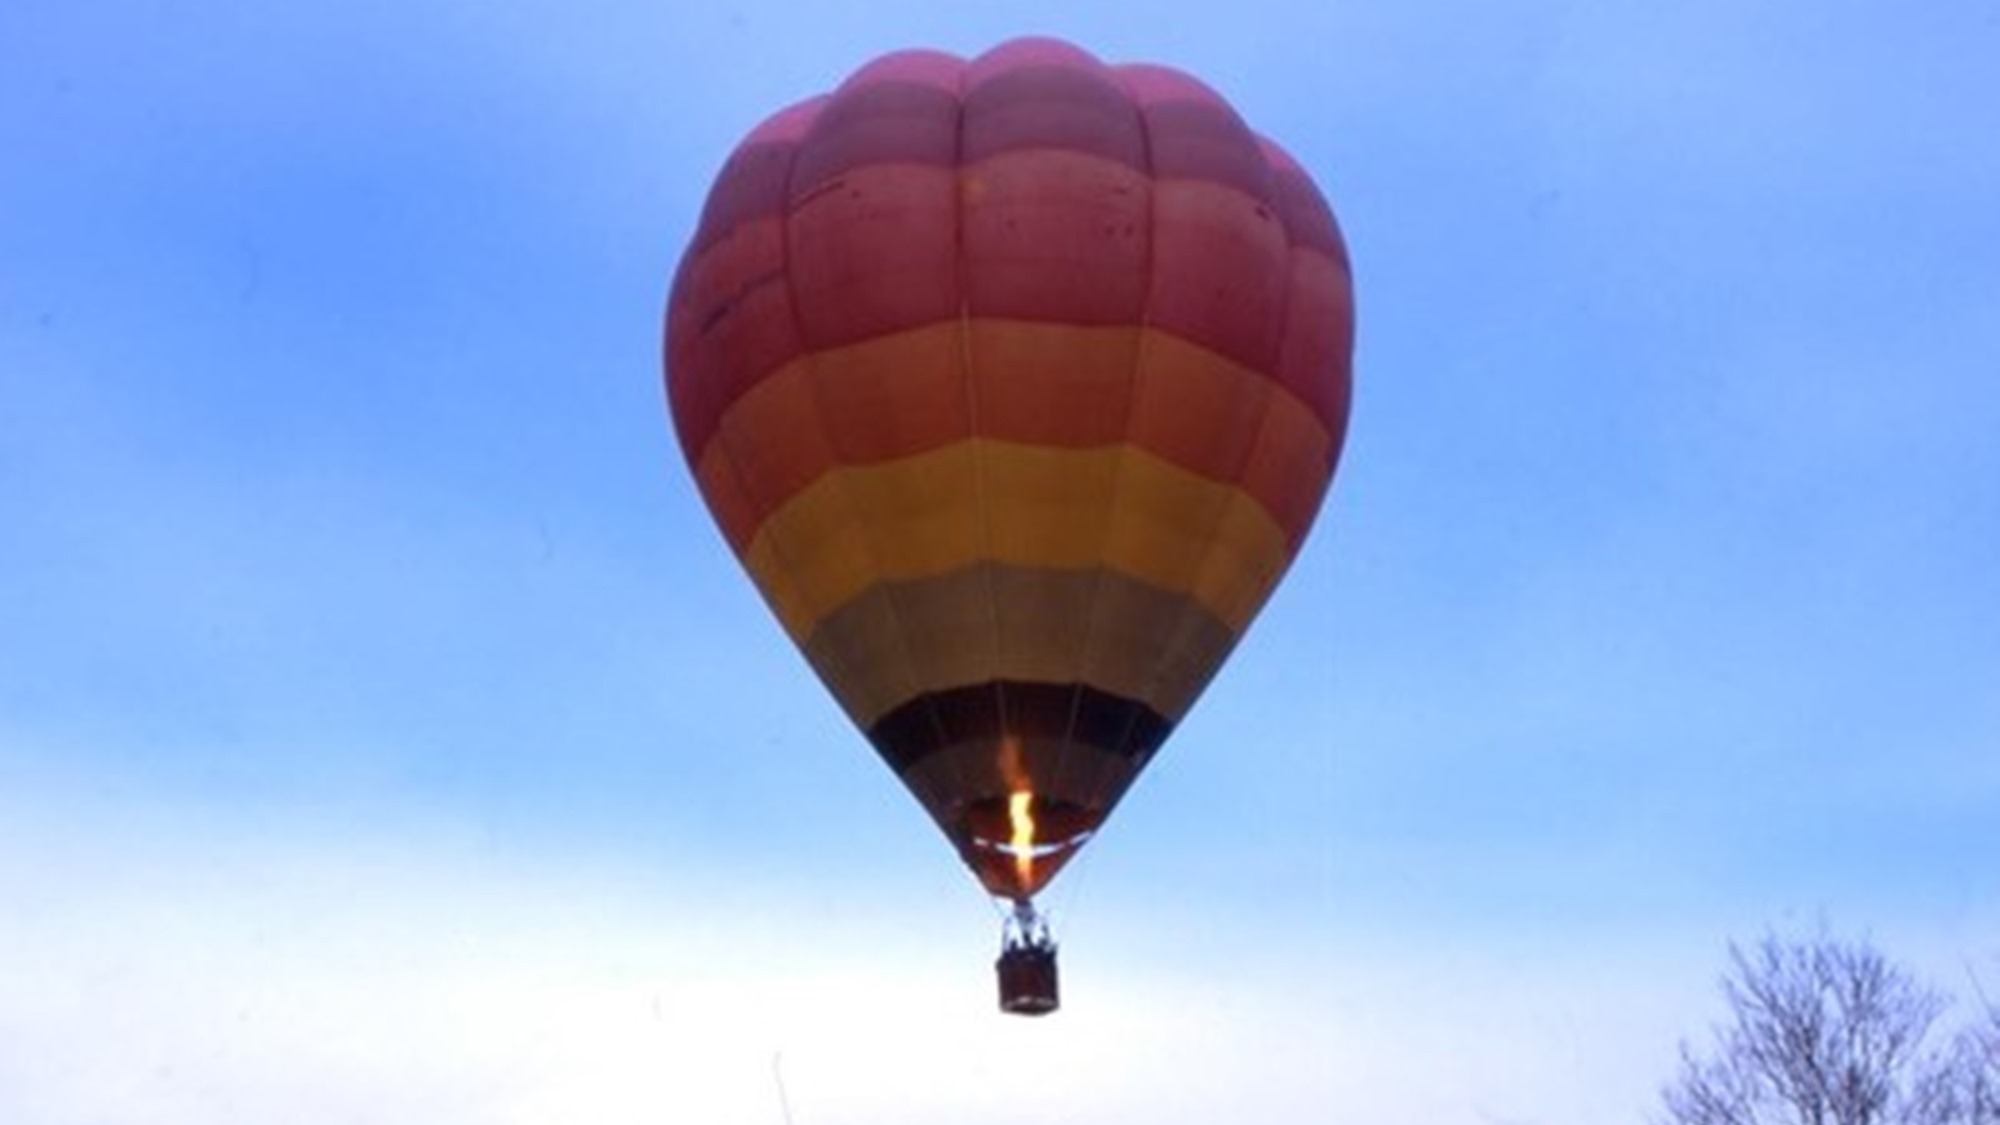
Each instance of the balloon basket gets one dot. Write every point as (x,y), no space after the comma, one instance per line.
(1027,965)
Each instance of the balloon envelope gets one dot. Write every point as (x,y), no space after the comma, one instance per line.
(1015,383)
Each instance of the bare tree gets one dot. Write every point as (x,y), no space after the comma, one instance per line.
(1822,1032)
(1980,1068)
(1965,1089)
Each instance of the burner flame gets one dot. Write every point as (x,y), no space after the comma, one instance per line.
(1021,815)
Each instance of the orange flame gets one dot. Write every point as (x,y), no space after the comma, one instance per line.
(1021,816)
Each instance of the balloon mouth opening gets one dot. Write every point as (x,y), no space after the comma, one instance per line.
(1015,843)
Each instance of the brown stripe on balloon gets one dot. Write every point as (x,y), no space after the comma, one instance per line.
(1093,626)
(990,712)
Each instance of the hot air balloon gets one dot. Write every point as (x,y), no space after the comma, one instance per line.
(1015,383)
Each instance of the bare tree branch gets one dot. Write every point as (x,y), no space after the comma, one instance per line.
(1825,1032)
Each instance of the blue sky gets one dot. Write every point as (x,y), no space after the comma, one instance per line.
(370,676)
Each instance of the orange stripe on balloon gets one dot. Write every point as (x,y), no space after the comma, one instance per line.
(1033,384)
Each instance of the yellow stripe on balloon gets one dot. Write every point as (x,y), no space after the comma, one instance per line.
(989,501)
